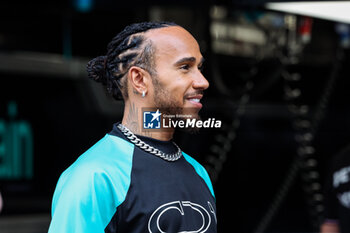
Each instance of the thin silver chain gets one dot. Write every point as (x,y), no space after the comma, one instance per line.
(148,148)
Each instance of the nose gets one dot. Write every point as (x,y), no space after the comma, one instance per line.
(200,82)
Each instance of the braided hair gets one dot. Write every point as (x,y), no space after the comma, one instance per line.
(128,48)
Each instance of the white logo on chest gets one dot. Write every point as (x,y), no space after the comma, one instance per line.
(182,207)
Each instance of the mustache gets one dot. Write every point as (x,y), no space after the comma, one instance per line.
(199,92)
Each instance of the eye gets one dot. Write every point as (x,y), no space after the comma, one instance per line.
(200,68)
(185,67)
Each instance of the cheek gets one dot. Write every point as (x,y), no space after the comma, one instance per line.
(175,84)
(180,90)
(175,94)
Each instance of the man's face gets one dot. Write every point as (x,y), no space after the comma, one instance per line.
(179,85)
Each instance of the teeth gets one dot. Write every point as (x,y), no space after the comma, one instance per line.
(195,100)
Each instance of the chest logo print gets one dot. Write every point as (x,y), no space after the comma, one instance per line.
(180,208)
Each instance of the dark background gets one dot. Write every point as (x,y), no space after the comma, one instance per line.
(44,48)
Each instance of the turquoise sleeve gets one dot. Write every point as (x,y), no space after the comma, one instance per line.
(90,190)
(200,171)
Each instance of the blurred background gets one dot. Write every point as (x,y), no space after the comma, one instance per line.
(278,82)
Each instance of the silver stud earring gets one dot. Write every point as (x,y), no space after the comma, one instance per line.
(143,94)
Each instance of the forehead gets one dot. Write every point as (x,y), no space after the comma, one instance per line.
(174,43)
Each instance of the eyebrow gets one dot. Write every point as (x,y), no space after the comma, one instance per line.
(188,59)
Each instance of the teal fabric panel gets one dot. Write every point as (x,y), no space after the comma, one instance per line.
(90,190)
(200,171)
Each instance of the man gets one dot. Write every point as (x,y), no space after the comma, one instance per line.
(337,195)
(134,180)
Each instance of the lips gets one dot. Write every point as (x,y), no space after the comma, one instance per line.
(195,100)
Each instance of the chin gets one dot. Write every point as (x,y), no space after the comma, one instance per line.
(191,112)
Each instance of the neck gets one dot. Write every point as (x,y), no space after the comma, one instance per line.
(132,119)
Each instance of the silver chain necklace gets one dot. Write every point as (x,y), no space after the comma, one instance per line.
(148,148)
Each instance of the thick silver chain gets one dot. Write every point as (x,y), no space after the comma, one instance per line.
(148,148)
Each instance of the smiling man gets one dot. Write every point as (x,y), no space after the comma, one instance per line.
(134,180)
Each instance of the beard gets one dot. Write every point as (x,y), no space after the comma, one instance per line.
(167,104)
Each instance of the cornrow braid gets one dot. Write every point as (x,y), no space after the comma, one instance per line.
(126,49)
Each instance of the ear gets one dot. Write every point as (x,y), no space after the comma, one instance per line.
(139,79)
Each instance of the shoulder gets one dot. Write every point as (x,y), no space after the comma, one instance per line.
(89,191)
(106,166)
(109,153)
(200,171)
